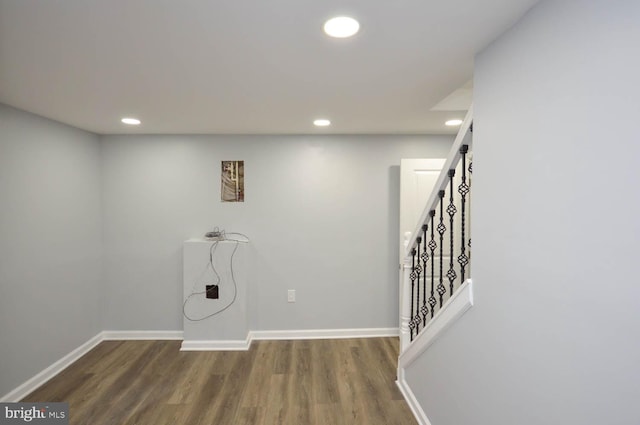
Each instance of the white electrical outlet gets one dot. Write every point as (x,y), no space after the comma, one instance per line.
(291,295)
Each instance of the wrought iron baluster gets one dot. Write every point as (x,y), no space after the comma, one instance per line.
(412,324)
(416,316)
(451,210)
(425,257)
(463,189)
(432,248)
(470,173)
(441,229)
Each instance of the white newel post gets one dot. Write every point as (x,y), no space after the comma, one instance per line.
(405,306)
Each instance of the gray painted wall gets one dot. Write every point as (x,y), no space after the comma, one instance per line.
(50,243)
(321,212)
(553,337)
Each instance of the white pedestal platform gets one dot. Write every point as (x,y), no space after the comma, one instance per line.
(229,327)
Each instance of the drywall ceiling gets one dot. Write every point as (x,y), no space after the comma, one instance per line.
(248,67)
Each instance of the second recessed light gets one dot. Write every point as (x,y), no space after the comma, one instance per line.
(341,27)
(322,123)
(130,121)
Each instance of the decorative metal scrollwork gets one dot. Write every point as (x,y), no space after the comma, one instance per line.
(451,210)
(432,247)
(451,275)
(413,275)
(463,190)
(425,259)
(441,229)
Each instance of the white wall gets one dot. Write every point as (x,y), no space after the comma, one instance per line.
(553,338)
(50,243)
(321,212)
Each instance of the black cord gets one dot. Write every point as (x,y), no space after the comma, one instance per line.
(212,249)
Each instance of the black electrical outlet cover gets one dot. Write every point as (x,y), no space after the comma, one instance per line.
(212,292)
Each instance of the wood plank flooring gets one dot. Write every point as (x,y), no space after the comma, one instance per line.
(302,382)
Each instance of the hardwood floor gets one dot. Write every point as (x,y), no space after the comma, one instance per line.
(303,382)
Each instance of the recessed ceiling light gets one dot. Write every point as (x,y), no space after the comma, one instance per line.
(453,123)
(321,123)
(341,27)
(131,121)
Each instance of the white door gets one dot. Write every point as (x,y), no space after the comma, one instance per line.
(417,179)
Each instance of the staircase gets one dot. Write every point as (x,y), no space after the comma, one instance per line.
(436,285)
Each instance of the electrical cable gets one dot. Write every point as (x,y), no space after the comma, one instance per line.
(212,250)
(236,233)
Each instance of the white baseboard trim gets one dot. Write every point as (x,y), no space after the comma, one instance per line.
(228,345)
(41,378)
(324,334)
(415,407)
(452,310)
(141,335)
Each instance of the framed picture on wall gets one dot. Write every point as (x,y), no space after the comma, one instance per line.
(232,181)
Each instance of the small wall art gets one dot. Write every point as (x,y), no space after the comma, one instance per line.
(232,180)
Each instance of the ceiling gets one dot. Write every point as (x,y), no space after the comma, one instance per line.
(246,66)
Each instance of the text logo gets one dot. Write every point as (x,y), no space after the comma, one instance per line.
(34,413)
